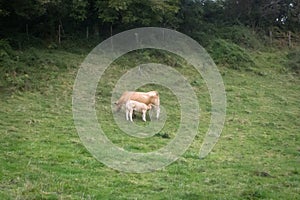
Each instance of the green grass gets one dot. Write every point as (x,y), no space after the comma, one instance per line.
(257,156)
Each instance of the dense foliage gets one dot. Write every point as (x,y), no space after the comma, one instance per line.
(41,18)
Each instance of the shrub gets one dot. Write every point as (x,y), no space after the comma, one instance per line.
(293,62)
(230,55)
(6,51)
(241,36)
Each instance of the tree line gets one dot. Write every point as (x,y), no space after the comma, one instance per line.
(41,18)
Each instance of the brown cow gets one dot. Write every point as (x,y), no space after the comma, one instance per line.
(147,98)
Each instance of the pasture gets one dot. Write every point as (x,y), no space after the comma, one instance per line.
(256,157)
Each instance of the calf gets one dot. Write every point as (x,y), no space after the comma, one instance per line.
(138,107)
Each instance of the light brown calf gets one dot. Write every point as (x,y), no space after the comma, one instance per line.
(138,107)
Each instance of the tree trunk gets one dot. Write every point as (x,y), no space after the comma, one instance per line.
(87,32)
(271,36)
(111,38)
(27,32)
(111,29)
(290,38)
(96,30)
(59,34)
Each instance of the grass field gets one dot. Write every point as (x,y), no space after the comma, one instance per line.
(256,157)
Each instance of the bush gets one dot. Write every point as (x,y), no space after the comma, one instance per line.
(205,34)
(24,70)
(293,62)
(230,55)
(241,36)
(6,51)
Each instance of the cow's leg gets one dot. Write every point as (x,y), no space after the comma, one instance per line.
(118,107)
(157,111)
(127,114)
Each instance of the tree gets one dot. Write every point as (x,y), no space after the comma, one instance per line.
(191,15)
(79,10)
(132,13)
(264,14)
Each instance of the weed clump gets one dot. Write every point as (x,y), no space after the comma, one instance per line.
(293,62)
(28,69)
(230,55)
(6,52)
(241,36)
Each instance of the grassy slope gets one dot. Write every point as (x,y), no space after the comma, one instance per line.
(257,156)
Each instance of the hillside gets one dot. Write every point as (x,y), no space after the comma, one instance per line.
(256,157)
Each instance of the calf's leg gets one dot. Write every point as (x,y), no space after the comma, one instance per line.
(130,115)
(144,115)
